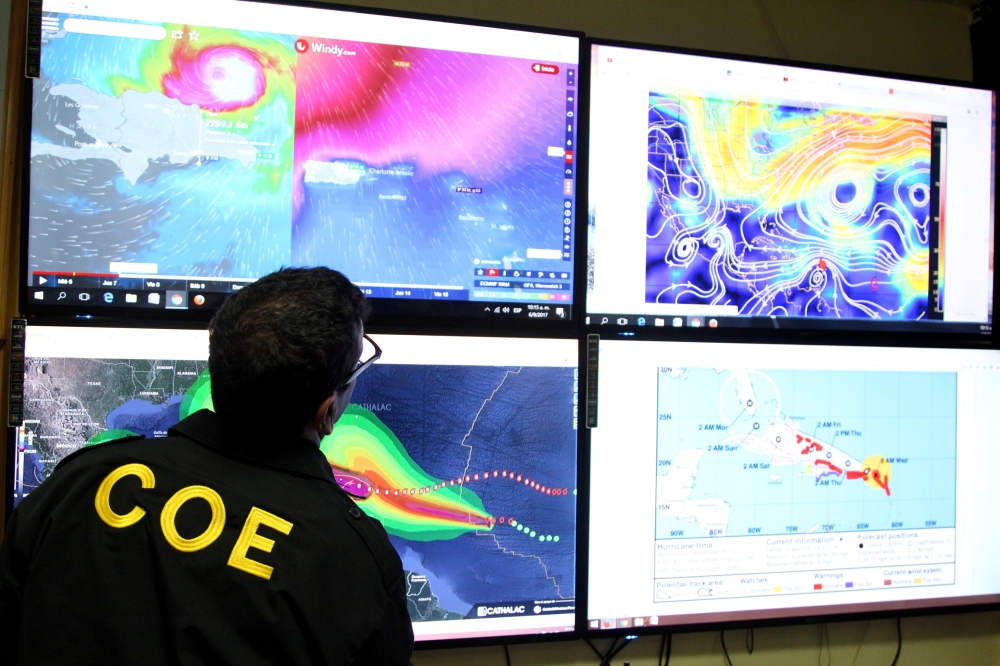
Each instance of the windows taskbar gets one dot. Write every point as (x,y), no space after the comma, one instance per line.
(611,320)
(194,297)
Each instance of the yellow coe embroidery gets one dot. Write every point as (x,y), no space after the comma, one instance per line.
(168,520)
(250,539)
(169,516)
(101,500)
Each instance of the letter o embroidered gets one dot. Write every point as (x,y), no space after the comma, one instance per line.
(173,505)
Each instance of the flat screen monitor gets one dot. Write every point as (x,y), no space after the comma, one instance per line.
(180,150)
(733,193)
(743,482)
(464,449)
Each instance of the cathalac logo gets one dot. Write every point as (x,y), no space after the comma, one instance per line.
(301,45)
(487,611)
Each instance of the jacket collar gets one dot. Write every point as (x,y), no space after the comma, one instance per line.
(289,454)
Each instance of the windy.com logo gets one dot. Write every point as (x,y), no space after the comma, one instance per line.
(302,46)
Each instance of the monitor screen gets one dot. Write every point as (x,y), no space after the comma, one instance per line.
(469,462)
(732,193)
(181,150)
(779,481)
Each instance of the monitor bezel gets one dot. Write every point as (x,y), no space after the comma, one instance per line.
(402,314)
(724,621)
(786,325)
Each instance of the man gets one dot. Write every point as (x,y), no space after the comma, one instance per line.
(228,542)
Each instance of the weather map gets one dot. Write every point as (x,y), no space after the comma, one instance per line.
(174,152)
(472,470)
(413,165)
(71,403)
(781,208)
(769,452)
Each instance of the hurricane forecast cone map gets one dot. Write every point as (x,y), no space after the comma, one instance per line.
(195,152)
(474,482)
(472,470)
(768,452)
(788,209)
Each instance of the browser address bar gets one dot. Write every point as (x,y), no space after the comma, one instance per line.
(115,29)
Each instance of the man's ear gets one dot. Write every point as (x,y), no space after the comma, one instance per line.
(325,417)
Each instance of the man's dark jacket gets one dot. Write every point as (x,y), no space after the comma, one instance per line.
(86,577)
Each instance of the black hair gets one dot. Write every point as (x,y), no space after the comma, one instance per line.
(282,345)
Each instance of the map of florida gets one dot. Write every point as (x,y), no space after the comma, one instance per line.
(137,128)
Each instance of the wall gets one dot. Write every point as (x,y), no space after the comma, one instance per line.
(958,639)
(4,29)
(912,36)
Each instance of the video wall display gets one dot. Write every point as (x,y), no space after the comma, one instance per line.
(728,193)
(469,464)
(179,151)
(778,481)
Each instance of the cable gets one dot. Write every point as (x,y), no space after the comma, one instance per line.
(899,639)
(722,635)
(750,640)
(614,651)
(864,635)
(606,659)
(824,637)
(666,642)
(506,653)
(772,31)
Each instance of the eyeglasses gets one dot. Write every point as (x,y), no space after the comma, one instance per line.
(362,366)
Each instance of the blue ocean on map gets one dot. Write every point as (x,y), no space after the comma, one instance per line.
(145,418)
(393,226)
(444,417)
